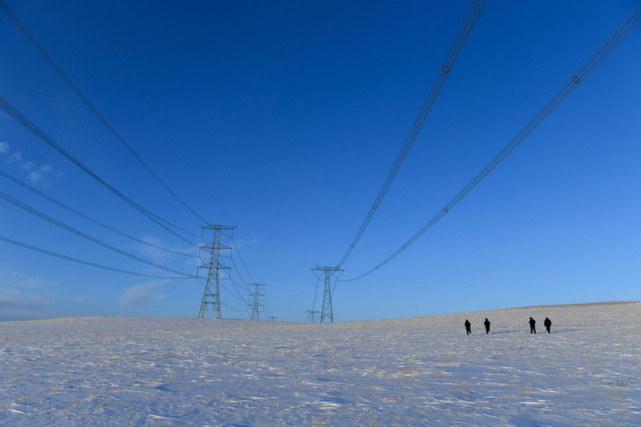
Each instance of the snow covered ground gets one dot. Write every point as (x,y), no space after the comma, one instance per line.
(416,371)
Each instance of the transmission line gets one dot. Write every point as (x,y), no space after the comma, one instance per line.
(84,235)
(455,50)
(242,279)
(85,216)
(242,261)
(19,117)
(236,285)
(80,261)
(605,49)
(241,257)
(234,309)
(318,278)
(239,297)
(267,307)
(93,109)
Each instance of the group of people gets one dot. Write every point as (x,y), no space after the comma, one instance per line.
(547,322)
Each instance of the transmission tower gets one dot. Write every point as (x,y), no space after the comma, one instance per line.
(256,301)
(311,315)
(327,312)
(211,294)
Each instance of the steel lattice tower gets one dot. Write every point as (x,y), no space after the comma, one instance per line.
(211,293)
(311,314)
(327,312)
(256,304)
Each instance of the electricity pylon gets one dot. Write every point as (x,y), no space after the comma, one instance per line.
(256,303)
(211,294)
(327,312)
(311,314)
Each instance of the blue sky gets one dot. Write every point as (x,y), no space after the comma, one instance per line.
(283,118)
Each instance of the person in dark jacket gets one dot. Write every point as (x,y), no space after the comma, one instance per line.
(548,324)
(532,326)
(468,327)
(487,326)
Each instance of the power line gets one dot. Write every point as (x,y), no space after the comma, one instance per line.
(93,109)
(241,257)
(318,278)
(225,289)
(267,307)
(84,235)
(242,279)
(235,285)
(85,216)
(80,261)
(234,309)
(605,49)
(463,33)
(231,294)
(18,116)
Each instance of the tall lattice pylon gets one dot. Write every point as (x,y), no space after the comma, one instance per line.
(211,293)
(327,311)
(311,315)
(256,300)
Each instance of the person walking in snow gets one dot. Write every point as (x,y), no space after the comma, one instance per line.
(548,324)
(532,326)
(487,326)
(468,327)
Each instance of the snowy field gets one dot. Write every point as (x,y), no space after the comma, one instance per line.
(417,371)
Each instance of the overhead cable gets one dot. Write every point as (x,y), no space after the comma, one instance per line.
(80,261)
(621,32)
(242,261)
(318,278)
(236,285)
(19,117)
(79,233)
(87,217)
(234,309)
(463,33)
(93,109)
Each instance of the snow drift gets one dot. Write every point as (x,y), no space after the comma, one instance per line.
(416,371)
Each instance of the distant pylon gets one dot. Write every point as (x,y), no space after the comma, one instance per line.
(327,312)
(311,314)
(256,300)
(211,293)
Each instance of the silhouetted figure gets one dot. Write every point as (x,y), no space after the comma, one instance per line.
(468,327)
(532,326)
(487,326)
(548,324)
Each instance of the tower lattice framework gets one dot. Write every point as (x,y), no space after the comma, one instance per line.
(256,300)
(211,293)
(327,311)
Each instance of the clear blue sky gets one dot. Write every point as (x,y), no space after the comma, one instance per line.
(283,118)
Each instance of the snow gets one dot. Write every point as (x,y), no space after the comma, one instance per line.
(415,371)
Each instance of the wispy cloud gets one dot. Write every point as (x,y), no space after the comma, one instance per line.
(36,174)
(17,305)
(237,244)
(13,279)
(159,255)
(143,294)
(13,298)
